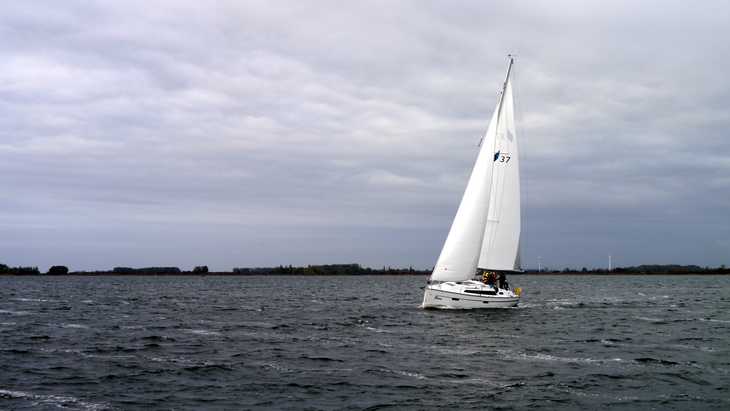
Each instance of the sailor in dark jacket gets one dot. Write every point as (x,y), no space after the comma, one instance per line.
(503,281)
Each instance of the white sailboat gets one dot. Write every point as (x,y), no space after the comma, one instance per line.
(483,244)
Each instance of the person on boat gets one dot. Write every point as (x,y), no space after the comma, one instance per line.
(503,281)
(491,279)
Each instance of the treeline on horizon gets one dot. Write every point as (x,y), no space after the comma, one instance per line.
(326,269)
(667,269)
(353,269)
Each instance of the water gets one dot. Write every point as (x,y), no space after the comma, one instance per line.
(626,342)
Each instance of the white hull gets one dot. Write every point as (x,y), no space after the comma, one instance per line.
(464,295)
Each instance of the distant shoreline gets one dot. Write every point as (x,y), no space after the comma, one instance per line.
(227,274)
(230,274)
(347,270)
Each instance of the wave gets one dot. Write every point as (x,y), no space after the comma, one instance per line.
(459,379)
(276,367)
(207,366)
(56,401)
(14,351)
(173,360)
(325,359)
(713,320)
(453,351)
(157,338)
(84,354)
(40,337)
(254,324)
(71,325)
(200,331)
(398,372)
(34,300)
(409,374)
(548,357)
(11,312)
(691,347)
(649,360)
(652,320)
(605,302)
(378,330)
(237,308)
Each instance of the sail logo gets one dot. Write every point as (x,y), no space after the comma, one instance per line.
(502,157)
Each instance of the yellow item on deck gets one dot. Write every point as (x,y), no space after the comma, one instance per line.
(518,291)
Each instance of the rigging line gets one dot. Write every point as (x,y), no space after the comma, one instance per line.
(481,139)
(524,212)
(501,94)
(496,128)
(496,137)
(501,99)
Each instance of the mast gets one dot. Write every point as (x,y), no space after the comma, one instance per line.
(499,105)
(504,87)
(500,248)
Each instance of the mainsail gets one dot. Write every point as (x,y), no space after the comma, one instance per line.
(485,219)
(501,243)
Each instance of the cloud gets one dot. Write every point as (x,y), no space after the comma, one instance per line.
(237,134)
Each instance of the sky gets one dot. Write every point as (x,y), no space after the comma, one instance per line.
(258,133)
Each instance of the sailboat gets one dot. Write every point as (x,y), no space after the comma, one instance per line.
(483,244)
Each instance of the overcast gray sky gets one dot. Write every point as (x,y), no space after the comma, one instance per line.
(250,133)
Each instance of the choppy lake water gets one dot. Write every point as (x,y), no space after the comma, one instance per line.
(219,343)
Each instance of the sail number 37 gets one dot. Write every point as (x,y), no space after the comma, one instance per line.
(504,158)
